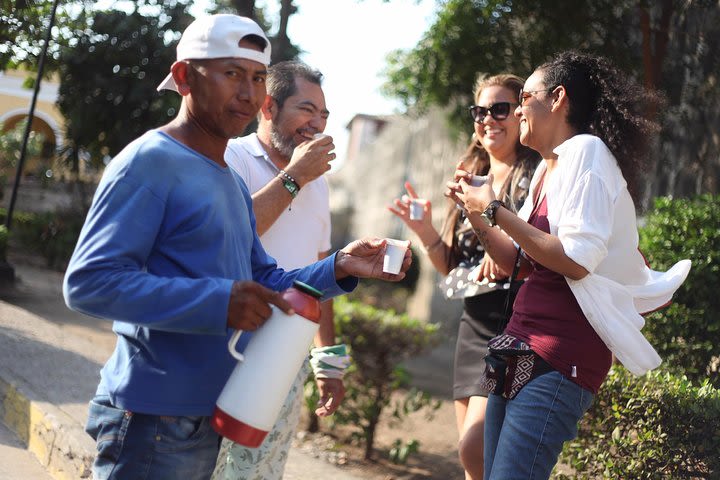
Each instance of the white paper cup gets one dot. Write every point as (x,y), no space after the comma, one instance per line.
(478,180)
(417,208)
(394,255)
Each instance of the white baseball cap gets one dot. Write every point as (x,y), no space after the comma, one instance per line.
(218,36)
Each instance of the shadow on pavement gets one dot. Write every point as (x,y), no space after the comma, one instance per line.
(39,290)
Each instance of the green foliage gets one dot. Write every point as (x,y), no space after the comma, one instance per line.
(686,335)
(23,32)
(378,341)
(3,243)
(282,48)
(671,46)
(51,235)
(494,36)
(381,295)
(400,452)
(653,427)
(109,74)
(11,145)
(667,423)
(389,296)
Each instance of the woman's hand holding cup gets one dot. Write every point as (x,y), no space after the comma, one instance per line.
(414,211)
(474,199)
(452,187)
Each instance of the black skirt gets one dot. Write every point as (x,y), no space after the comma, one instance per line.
(482,317)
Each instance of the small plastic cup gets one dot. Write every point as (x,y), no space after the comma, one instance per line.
(478,180)
(394,255)
(320,135)
(417,208)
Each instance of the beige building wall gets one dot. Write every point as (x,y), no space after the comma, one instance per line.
(15,105)
(418,149)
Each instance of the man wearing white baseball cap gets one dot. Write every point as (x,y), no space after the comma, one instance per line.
(221,36)
(170,254)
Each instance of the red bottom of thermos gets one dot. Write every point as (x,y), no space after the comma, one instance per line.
(235,430)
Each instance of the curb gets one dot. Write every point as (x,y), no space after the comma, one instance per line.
(60,445)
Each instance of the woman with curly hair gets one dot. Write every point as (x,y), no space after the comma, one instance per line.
(586,283)
(455,251)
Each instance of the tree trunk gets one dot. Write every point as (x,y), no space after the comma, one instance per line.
(654,43)
(313,425)
(654,53)
(245,8)
(373,419)
(282,48)
(370,440)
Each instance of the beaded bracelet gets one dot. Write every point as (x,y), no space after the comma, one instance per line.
(287,176)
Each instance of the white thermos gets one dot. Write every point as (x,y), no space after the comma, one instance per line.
(251,400)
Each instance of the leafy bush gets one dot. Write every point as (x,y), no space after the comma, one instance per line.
(400,452)
(50,235)
(381,295)
(656,426)
(11,146)
(687,334)
(378,341)
(3,243)
(389,296)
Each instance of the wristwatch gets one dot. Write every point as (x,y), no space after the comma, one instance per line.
(290,186)
(488,215)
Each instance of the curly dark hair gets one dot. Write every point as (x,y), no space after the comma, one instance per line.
(607,103)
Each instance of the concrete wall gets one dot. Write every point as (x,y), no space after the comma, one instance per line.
(419,149)
(33,196)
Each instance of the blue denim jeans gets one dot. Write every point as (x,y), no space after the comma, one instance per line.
(135,446)
(524,436)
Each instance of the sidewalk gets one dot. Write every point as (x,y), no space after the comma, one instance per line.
(16,463)
(50,359)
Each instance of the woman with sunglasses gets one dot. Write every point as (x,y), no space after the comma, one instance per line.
(586,281)
(495,149)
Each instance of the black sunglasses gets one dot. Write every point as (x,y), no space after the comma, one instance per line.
(498,111)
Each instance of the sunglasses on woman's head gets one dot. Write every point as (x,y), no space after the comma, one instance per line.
(498,111)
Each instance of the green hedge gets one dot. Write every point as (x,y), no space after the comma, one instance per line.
(379,340)
(666,424)
(50,235)
(3,242)
(687,334)
(658,426)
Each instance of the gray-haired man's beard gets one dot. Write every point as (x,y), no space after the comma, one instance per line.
(281,143)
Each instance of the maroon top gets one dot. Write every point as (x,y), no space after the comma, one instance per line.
(547,317)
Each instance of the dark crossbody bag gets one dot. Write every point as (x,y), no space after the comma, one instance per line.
(510,363)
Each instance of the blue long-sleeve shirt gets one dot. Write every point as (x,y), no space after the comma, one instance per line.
(167,234)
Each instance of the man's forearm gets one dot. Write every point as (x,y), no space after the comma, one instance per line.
(325,335)
(269,203)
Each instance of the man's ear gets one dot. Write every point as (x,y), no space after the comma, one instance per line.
(181,73)
(269,108)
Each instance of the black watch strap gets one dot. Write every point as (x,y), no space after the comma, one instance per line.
(490,212)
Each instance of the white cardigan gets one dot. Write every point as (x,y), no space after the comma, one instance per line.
(593,215)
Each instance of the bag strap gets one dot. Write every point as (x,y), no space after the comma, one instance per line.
(513,277)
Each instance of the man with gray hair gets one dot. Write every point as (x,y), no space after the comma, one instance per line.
(283,166)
